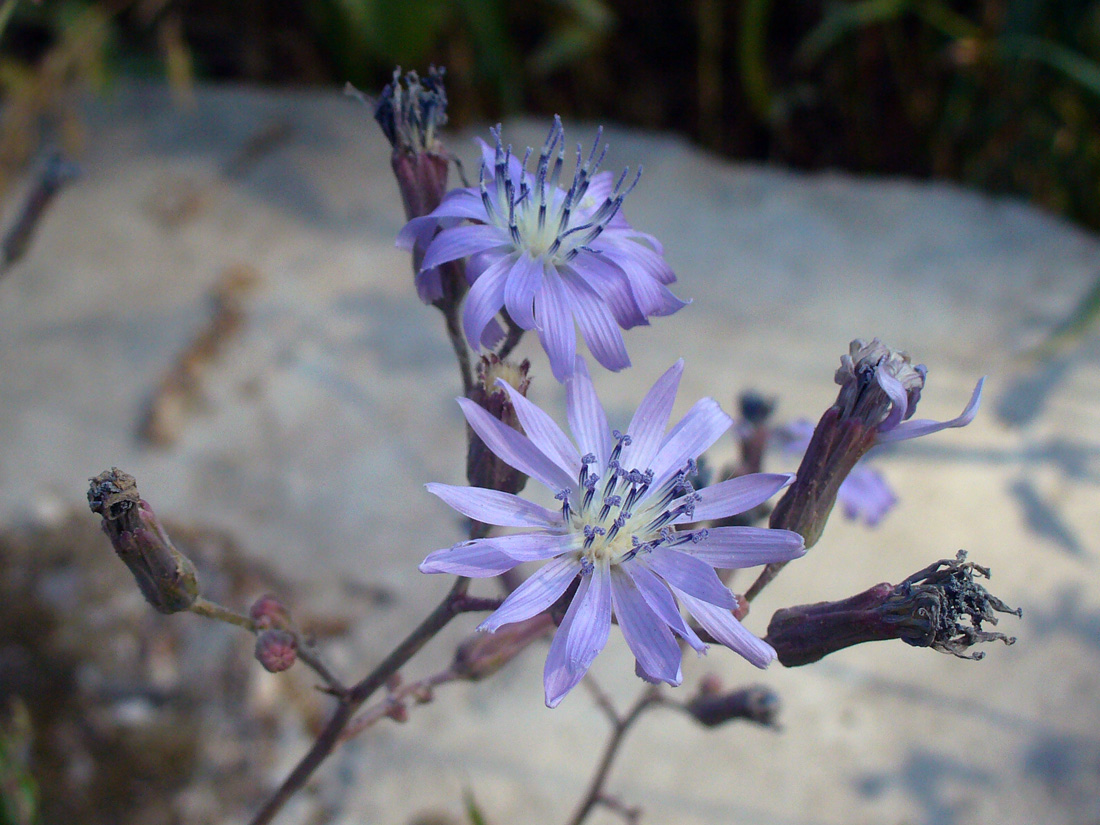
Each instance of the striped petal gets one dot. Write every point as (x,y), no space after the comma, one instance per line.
(495,507)
(587,418)
(916,428)
(724,628)
(536,594)
(731,548)
(736,495)
(452,244)
(648,638)
(514,448)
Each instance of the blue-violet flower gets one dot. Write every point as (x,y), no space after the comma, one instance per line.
(554,258)
(625,500)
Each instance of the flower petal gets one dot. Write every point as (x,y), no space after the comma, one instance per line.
(865,494)
(499,553)
(699,429)
(461,203)
(495,507)
(484,300)
(542,589)
(653,297)
(451,244)
(429,285)
(648,638)
(660,601)
(899,399)
(736,495)
(515,449)
(721,625)
(689,575)
(587,418)
(731,548)
(491,335)
(524,282)
(597,324)
(561,674)
(592,624)
(916,428)
(475,559)
(544,433)
(554,321)
(611,284)
(647,427)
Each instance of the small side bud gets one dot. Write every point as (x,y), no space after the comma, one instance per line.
(268,613)
(483,467)
(398,713)
(166,577)
(483,654)
(941,607)
(755,704)
(276,650)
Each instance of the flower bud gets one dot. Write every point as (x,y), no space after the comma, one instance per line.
(411,110)
(276,650)
(941,607)
(483,654)
(483,467)
(268,612)
(755,704)
(166,577)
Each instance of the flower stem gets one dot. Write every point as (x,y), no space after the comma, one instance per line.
(595,795)
(307,650)
(353,699)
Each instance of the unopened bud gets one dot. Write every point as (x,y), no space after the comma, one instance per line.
(483,654)
(166,577)
(754,704)
(941,607)
(398,713)
(483,467)
(276,650)
(411,110)
(268,613)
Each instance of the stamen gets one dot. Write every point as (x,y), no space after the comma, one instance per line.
(608,503)
(563,497)
(590,534)
(616,526)
(590,485)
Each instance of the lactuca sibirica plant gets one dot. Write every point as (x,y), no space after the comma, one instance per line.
(632,531)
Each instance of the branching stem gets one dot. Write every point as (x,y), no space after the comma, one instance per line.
(620,726)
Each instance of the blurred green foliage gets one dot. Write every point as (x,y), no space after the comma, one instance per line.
(1001,94)
(18,790)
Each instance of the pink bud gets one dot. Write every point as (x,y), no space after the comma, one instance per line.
(267,612)
(276,650)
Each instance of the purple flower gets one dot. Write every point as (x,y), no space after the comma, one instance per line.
(552,257)
(625,500)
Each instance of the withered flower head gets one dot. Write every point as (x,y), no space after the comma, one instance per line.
(165,576)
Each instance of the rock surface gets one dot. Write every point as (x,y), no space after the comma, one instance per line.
(324,415)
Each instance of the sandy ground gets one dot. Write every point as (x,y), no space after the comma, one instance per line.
(324,417)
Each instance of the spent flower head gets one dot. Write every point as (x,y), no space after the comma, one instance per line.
(555,258)
(864,495)
(879,390)
(621,528)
